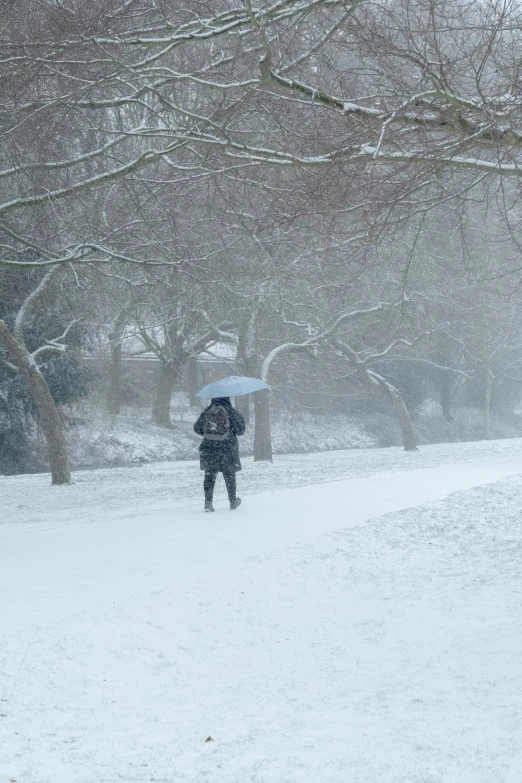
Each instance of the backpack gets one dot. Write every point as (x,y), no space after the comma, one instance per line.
(216,424)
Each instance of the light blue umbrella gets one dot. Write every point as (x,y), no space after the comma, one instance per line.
(233,386)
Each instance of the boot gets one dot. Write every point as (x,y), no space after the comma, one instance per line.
(235,503)
(208,505)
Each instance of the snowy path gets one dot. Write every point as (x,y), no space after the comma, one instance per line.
(386,651)
(113,556)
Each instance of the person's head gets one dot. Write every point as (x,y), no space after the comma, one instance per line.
(220,401)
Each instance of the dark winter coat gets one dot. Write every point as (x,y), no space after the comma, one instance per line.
(215,455)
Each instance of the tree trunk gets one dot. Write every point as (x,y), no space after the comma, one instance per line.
(161,408)
(243,407)
(262,433)
(488,375)
(445,384)
(49,417)
(262,429)
(444,378)
(192,379)
(114,396)
(487,401)
(409,436)
(377,383)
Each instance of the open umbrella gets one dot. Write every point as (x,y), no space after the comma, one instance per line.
(233,386)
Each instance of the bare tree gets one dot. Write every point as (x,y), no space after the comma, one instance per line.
(442,99)
(174,325)
(24,362)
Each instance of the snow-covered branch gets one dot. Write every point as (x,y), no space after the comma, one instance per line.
(55,345)
(321,335)
(30,303)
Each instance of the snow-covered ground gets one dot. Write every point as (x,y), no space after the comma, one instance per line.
(366,628)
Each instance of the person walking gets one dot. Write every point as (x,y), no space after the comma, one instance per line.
(220,424)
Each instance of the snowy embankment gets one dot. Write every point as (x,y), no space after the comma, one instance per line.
(132,438)
(311,637)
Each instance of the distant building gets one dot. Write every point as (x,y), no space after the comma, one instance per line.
(140,370)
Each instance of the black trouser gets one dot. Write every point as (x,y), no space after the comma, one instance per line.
(210,481)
